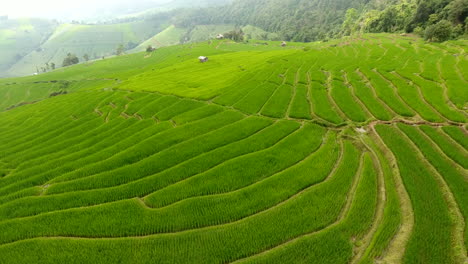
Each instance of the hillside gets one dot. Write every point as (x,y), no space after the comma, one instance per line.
(28,44)
(172,22)
(310,20)
(95,40)
(178,35)
(19,37)
(347,151)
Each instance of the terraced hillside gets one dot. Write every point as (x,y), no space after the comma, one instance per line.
(351,151)
(176,35)
(94,40)
(19,37)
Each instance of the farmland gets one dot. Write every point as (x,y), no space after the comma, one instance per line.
(347,151)
(19,37)
(95,41)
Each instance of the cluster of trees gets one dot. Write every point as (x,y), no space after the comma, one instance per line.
(309,20)
(120,50)
(441,31)
(150,48)
(71,59)
(236,35)
(297,20)
(436,20)
(47,67)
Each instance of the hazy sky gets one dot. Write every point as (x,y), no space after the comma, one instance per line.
(63,9)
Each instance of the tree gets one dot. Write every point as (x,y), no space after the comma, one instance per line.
(70,60)
(433,19)
(349,25)
(236,35)
(52,65)
(457,31)
(388,19)
(86,57)
(458,11)
(419,31)
(150,48)
(120,50)
(466,26)
(131,45)
(439,32)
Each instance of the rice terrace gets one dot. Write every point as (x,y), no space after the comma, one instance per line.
(352,150)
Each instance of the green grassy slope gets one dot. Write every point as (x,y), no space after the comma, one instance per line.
(94,40)
(350,151)
(168,37)
(19,37)
(176,35)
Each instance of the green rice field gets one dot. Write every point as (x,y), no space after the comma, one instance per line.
(348,151)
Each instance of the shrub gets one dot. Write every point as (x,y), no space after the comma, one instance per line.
(419,31)
(236,35)
(457,31)
(440,32)
(150,49)
(120,50)
(70,60)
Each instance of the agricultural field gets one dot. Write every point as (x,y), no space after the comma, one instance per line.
(94,40)
(348,151)
(19,37)
(173,35)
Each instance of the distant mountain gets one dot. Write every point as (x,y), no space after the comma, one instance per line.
(20,37)
(95,41)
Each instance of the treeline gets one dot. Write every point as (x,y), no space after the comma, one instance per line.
(297,20)
(434,19)
(309,20)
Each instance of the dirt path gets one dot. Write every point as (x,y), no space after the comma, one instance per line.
(454,210)
(379,211)
(309,95)
(329,87)
(396,249)
(294,87)
(356,98)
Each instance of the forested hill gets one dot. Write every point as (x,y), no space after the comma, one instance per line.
(309,20)
(302,20)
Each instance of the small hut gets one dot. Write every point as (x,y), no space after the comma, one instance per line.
(203,59)
(283,44)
